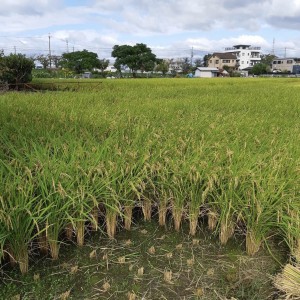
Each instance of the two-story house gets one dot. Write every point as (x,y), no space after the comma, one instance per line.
(246,55)
(288,65)
(219,60)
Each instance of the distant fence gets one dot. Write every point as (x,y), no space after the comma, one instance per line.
(50,86)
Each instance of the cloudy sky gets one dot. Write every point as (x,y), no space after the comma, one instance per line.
(171,28)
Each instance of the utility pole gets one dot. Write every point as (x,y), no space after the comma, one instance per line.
(192,55)
(50,62)
(15,48)
(273,48)
(67,46)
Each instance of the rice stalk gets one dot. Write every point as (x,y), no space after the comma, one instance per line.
(196,197)
(212,220)
(20,212)
(42,242)
(253,243)
(111,223)
(95,218)
(162,212)
(128,216)
(177,200)
(147,209)
(80,226)
(226,231)
(177,217)
(69,230)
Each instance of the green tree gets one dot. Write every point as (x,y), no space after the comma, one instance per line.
(186,65)
(259,69)
(16,68)
(206,58)
(138,57)
(102,65)
(44,60)
(79,61)
(198,62)
(55,59)
(267,59)
(162,66)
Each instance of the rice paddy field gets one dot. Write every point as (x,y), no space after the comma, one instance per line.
(186,174)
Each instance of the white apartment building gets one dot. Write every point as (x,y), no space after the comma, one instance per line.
(246,55)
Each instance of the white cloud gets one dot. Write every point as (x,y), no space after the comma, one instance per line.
(154,16)
(101,24)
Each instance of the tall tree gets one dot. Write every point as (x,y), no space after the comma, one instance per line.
(186,65)
(259,69)
(102,64)
(55,59)
(44,60)
(16,68)
(162,66)
(206,58)
(267,59)
(79,61)
(198,62)
(138,57)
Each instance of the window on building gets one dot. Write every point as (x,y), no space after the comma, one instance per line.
(217,61)
(210,61)
(242,62)
(289,61)
(226,61)
(243,54)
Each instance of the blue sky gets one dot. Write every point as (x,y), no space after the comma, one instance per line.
(171,28)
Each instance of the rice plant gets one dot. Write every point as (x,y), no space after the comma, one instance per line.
(21,212)
(224,150)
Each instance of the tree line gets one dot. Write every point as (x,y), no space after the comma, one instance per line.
(17,68)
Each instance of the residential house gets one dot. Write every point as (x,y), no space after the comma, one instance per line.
(286,65)
(86,75)
(175,66)
(205,72)
(219,60)
(246,56)
(111,68)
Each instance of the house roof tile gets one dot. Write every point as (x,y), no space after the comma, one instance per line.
(225,55)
